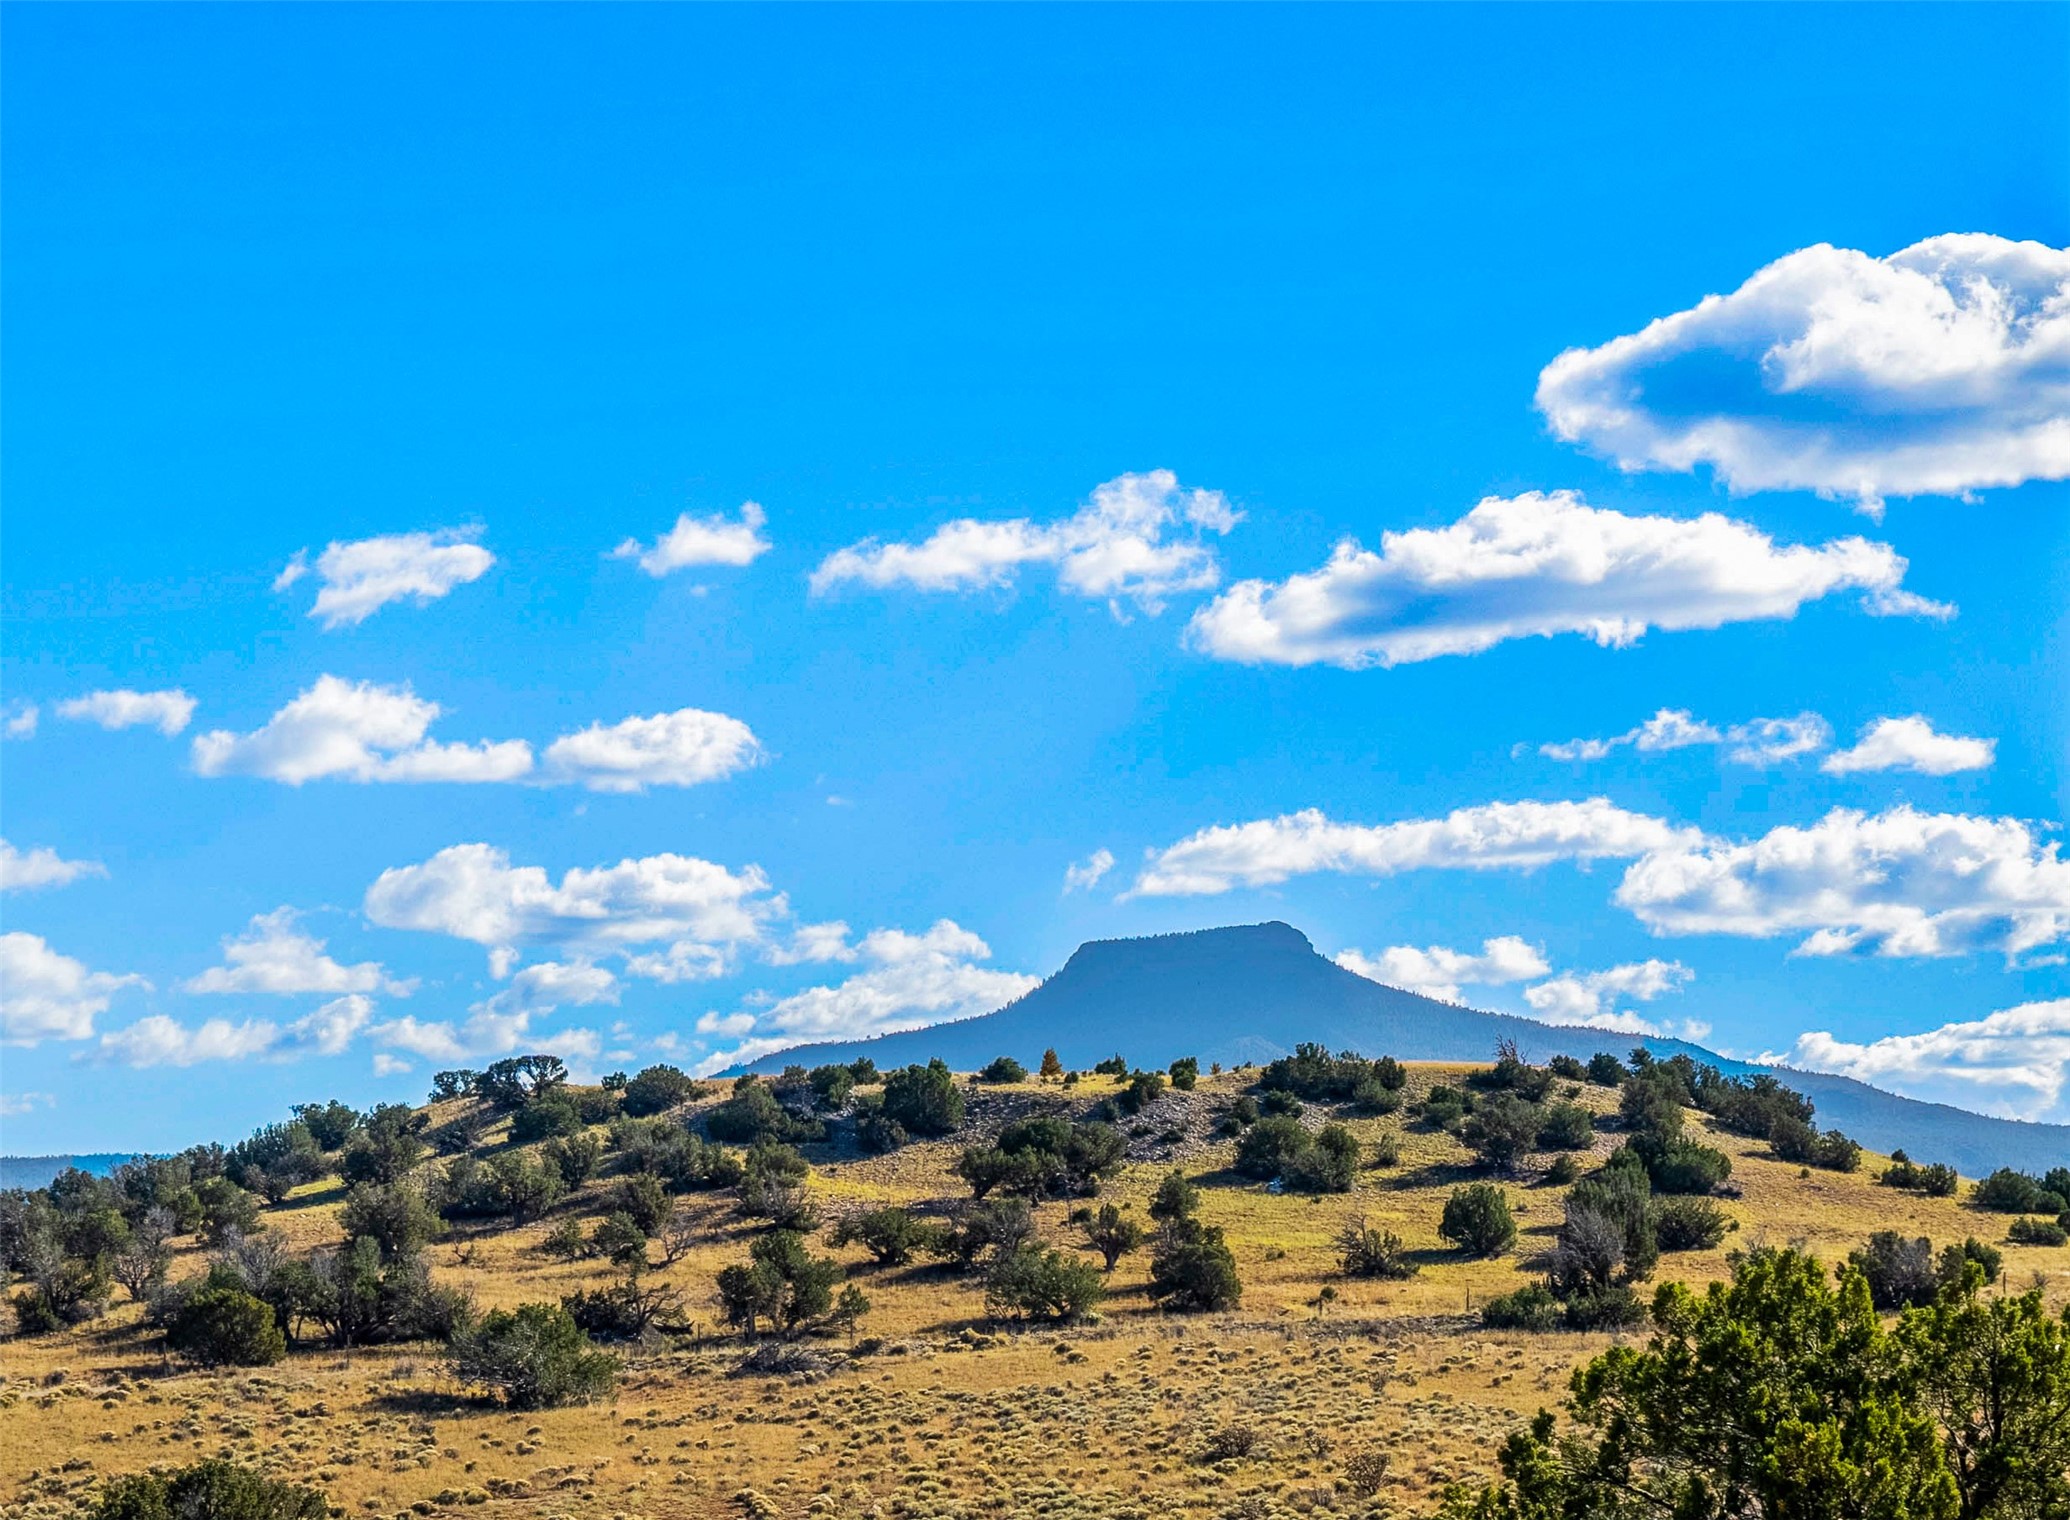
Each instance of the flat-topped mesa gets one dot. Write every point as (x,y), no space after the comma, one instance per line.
(1251,992)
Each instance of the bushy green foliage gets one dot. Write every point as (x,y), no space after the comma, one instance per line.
(1363,1251)
(1566,1127)
(1003,1071)
(396,1216)
(782,1286)
(894,1236)
(1605,1070)
(1311,1072)
(226,1327)
(1033,1283)
(1184,1073)
(753,1115)
(1688,1224)
(682,1160)
(276,1160)
(656,1090)
(1781,1393)
(1144,1088)
(924,1100)
(330,1124)
(516,1080)
(533,1357)
(1899,1271)
(1477,1219)
(2007,1191)
(212,1490)
(1935,1180)
(1529,1308)
(1112,1233)
(1044,1156)
(1502,1130)
(2037,1232)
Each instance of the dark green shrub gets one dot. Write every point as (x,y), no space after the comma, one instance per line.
(533,1357)
(894,1236)
(782,1285)
(1185,1073)
(1003,1071)
(658,1089)
(1605,1070)
(1900,1272)
(2037,1232)
(575,1157)
(1614,1307)
(2006,1191)
(544,1118)
(227,1327)
(1688,1224)
(1112,1233)
(924,1100)
(1529,1308)
(213,1490)
(1192,1269)
(1478,1220)
(1033,1283)
(1567,1127)
(753,1115)
(1269,1145)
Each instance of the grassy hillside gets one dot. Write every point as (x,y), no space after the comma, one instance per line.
(934,1407)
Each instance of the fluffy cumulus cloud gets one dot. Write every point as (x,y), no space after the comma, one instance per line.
(503,1023)
(1439,972)
(275,957)
(364,731)
(1590,998)
(48,996)
(1517,835)
(356,731)
(19,720)
(1768,741)
(1537,565)
(1939,370)
(161,1041)
(1901,882)
(2013,1063)
(167,711)
(680,748)
(357,579)
(1084,875)
(1140,538)
(696,911)
(33,869)
(813,944)
(701,541)
(908,981)
(1911,744)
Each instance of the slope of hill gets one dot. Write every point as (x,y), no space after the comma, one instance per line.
(1250,993)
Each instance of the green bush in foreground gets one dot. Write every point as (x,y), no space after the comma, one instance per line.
(227,1327)
(534,1356)
(208,1491)
(1478,1221)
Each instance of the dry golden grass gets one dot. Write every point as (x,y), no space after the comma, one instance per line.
(953,1417)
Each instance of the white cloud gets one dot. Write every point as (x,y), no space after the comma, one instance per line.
(1439,972)
(702,541)
(1768,741)
(386,1065)
(1537,565)
(48,996)
(1589,998)
(2013,1063)
(502,1024)
(1759,741)
(356,731)
(725,1025)
(359,578)
(1901,882)
(167,711)
(15,1105)
(912,980)
(30,870)
(1517,835)
(161,1041)
(472,892)
(814,943)
(1911,744)
(1086,874)
(20,721)
(680,748)
(1937,371)
(548,985)
(1114,547)
(275,957)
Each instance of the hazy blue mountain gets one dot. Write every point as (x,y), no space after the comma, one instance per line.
(35,1171)
(1251,993)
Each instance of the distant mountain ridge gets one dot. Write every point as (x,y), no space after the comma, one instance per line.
(37,1171)
(1251,992)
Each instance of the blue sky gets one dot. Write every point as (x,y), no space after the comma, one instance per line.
(454,302)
